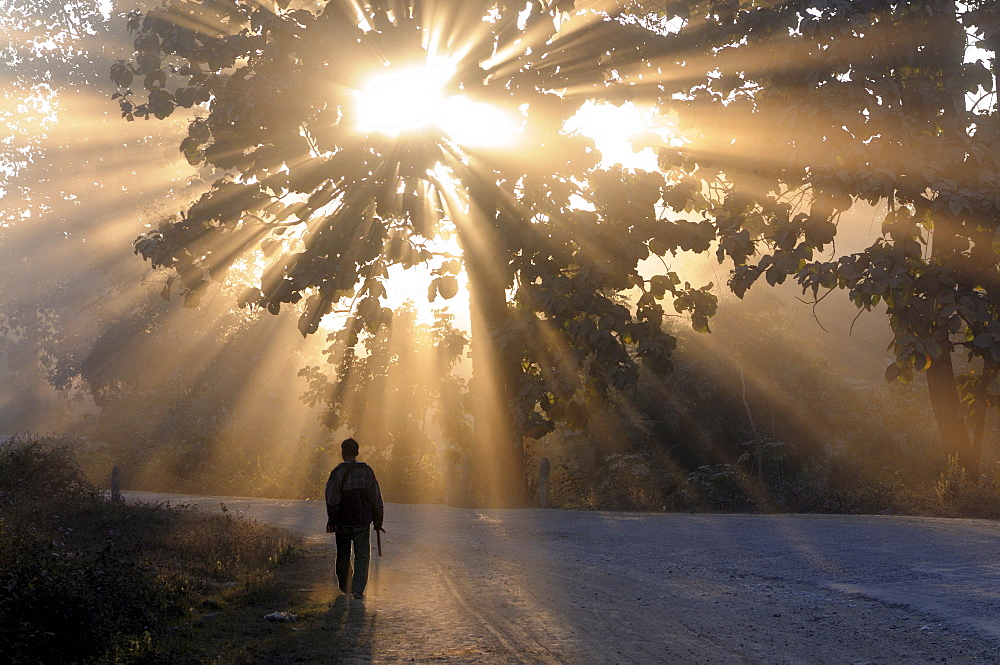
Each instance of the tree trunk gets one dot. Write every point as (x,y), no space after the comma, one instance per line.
(498,470)
(949,47)
(979,421)
(948,412)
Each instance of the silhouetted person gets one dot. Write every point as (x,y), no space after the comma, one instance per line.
(353,502)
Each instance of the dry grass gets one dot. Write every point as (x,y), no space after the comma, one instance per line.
(235,633)
(87,580)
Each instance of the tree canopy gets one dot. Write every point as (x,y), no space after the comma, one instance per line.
(790,114)
(809,108)
(275,92)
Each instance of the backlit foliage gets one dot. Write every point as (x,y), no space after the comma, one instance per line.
(805,109)
(791,113)
(274,88)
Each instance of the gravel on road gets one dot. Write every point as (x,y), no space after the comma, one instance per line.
(552,586)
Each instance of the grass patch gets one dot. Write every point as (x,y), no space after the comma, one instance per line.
(328,625)
(87,580)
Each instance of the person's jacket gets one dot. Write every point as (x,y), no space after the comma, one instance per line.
(353,497)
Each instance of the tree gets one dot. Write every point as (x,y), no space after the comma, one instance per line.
(333,206)
(408,370)
(42,221)
(86,348)
(796,111)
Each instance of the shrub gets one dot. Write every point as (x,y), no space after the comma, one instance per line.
(722,487)
(957,494)
(627,481)
(84,579)
(64,603)
(41,470)
(568,485)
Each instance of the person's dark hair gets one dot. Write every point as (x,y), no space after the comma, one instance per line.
(349,448)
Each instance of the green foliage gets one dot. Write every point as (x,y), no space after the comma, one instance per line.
(953,483)
(622,481)
(568,485)
(71,594)
(333,208)
(823,442)
(723,487)
(771,157)
(86,580)
(957,495)
(765,456)
(852,122)
(45,470)
(62,605)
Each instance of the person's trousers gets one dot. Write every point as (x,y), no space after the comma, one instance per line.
(358,537)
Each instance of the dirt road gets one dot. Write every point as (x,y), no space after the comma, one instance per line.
(546,586)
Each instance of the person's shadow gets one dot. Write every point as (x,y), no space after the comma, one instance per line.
(352,625)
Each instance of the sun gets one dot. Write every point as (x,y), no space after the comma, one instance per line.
(409,100)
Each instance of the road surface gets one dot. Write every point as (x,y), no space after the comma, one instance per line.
(549,586)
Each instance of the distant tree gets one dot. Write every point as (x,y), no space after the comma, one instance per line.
(48,51)
(333,207)
(83,350)
(407,371)
(794,111)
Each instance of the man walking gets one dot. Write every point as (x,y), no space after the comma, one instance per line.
(353,502)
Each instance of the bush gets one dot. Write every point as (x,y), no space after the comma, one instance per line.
(41,470)
(67,604)
(957,494)
(86,580)
(628,482)
(722,487)
(73,590)
(568,485)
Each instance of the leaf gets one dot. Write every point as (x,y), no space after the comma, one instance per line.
(148,63)
(774,276)
(269,246)
(447,286)
(929,347)
(983,340)
(658,285)
(191,148)
(921,361)
(369,311)
(891,373)
(121,74)
(161,103)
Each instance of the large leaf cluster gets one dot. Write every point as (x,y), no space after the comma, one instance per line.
(812,106)
(333,208)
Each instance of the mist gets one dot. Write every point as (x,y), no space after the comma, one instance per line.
(96,347)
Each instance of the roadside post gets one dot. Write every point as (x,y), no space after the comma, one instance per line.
(116,490)
(543,482)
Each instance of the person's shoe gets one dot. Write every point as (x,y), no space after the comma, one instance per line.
(358,596)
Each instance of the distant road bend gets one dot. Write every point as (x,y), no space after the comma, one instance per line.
(551,586)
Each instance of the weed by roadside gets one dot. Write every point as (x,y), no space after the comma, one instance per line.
(87,580)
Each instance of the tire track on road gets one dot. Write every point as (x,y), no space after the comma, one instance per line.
(520,644)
